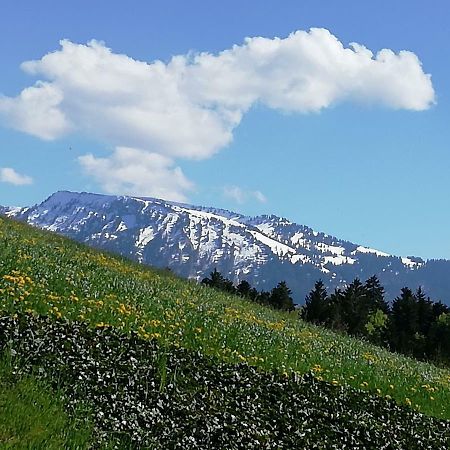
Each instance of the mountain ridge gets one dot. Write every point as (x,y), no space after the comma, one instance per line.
(193,240)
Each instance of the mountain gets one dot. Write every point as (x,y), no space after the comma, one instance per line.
(193,240)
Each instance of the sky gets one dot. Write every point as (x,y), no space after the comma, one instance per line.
(332,114)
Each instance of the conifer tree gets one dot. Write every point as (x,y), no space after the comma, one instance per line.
(244,289)
(280,297)
(375,295)
(316,304)
(354,307)
(263,298)
(335,316)
(405,322)
(424,311)
(218,281)
(439,338)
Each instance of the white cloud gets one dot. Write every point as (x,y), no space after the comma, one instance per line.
(259,196)
(36,111)
(136,172)
(240,195)
(189,106)
(9,175)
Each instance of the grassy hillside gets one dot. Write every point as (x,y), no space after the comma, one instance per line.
(50,275)
(32,415)
(44,274)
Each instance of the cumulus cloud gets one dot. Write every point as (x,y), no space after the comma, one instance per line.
(36,111)
(9,175)
(240,195)
(132,171)
(188,107)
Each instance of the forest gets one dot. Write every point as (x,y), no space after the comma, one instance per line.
(411,324)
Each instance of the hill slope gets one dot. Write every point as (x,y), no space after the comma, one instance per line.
(50,275)
(193,240)
(149,347)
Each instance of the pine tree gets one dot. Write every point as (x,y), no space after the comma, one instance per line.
(316,304)
(375,295)
(335,313)
(244,289)
(424,311)
(280,297)
(405,322)
(377,309)
(354,307)
(218,281)
(263,298)
(439,337)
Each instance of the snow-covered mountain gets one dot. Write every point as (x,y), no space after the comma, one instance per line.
(193,240)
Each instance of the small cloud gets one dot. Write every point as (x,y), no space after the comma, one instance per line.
(260,196)
(132,171)
(241,196)
(9,175)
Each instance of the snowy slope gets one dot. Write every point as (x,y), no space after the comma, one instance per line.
(193,240)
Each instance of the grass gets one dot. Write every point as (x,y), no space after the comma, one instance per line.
(42,273)
(32,415)
(142,395)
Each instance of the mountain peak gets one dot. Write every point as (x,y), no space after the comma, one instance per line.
(193,240)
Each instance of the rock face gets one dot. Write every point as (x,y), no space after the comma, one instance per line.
(192,241)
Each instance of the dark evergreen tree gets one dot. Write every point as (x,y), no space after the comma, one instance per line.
(439,339)
(425,319)
(354,307)
(404,322)
(244,289)
(218,281)
(280,297)
(424,311)
(377,309)
(335,319)
(253,294)
(439,308)
(316,305)
(263,298)
(375,295)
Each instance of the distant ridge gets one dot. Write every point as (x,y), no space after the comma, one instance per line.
(193,240)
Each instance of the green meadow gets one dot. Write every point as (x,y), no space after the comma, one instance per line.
(32,415)
(44,274)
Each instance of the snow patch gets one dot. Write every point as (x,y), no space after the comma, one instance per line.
(14,211)
(277,247)
(122,227)
(325,248)
(265,228)
(145,236)
(338,260)
(362,249)
(410,263)
(302,258)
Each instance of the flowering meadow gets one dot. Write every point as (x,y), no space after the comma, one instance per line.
(45,275)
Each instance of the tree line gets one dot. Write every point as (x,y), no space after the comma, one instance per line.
(279,297)
(413,324)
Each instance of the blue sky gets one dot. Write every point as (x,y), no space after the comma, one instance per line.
(369,165)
